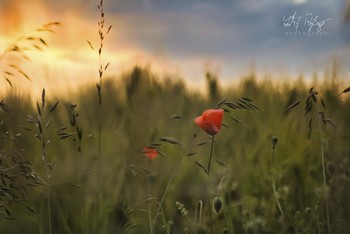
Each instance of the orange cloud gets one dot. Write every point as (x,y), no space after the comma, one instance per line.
(11,17)
(68,61)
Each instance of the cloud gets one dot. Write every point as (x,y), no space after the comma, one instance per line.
(10,19)
(299,1)
(184,35)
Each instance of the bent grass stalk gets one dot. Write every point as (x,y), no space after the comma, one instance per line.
(20,47)
(27,42)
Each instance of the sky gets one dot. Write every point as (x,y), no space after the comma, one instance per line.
(181,38)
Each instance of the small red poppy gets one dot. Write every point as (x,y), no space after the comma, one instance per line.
(210,121)
(150,153)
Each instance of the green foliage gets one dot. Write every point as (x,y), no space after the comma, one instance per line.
(140,110)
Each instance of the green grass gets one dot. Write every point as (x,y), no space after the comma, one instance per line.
(136,112)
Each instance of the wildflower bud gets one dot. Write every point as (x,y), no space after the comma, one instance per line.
(217,204)
(274,142)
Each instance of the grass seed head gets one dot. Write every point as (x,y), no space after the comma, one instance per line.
(274,142)
(217,204)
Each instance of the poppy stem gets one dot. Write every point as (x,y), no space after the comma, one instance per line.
(211,154)
(208,172)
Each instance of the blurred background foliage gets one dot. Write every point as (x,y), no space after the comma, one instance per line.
(136,112)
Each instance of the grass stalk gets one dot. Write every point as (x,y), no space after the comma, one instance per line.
(178,162)
(323,169)
(83,186)
(150,205)
(84,191)
(170,180)
(41,133)
(49,200)
(80,162)
(150,218)
(102,34)
(98,164)
(274,184)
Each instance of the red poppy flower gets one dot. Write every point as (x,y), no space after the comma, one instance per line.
(150,153)
(210,121)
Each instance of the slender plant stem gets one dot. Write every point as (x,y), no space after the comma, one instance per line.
(84,209)
(150,218)
(211,154)
(46,164)
(39,219)
(150,207)
(210,218)
(99,89)
(177,164)
(227,212)
(274,185)
(49,198)
(208,170)
(323,170)
(81,165)
(98,165)
(83,186)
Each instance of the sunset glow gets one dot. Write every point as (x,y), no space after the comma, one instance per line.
(183,39)
(68,61)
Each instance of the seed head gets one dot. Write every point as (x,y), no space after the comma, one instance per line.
(217,204)
(274,142)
